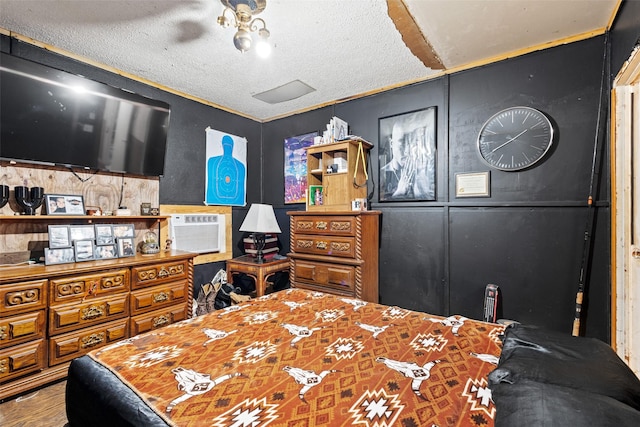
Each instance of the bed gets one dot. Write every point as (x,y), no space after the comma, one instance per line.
(299,358)
(293,358)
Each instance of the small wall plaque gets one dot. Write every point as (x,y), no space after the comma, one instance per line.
(472,184)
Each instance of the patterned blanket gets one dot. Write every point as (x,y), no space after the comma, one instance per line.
(298,358)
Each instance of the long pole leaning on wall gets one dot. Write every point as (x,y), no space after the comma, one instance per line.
(593,192)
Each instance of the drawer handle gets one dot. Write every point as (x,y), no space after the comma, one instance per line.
(3,333)
(161,297)
(4,366)
(321,245)
(160,321)
(93,340)
(92,312)
(321,225)
(163,273)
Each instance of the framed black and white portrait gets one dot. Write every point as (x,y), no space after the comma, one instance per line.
(407,156)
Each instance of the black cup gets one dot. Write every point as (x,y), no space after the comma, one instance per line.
(4,195)
(29,200)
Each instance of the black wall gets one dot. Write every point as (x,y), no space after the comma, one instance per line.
(527,237)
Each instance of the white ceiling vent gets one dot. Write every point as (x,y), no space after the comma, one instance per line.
(286,92)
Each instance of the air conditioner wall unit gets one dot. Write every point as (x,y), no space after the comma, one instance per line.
(198,232)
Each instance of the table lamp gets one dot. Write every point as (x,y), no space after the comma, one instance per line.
(260,220)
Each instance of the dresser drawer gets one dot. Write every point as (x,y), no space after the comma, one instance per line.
(325,225)
(78,287)
(22,359)
(344,247)
(22,328)
(151,275)
(68,317)
(157,319)
(22,296)
(157,297)
(65,347)
(325,275)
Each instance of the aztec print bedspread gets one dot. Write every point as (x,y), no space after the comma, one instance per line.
(300,358)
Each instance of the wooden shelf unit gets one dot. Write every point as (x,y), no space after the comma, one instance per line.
(338,188)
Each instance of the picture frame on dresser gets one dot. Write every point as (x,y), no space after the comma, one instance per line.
(59,255)
(82,232)
(104,234)
(64,204)
(84,250)
(105,251)
(126,247)
(59,236)
(124,230)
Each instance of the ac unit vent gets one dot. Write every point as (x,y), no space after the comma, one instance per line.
(201,233)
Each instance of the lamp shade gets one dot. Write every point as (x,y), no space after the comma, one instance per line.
(260,219)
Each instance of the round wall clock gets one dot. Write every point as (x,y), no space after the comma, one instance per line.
(515,138)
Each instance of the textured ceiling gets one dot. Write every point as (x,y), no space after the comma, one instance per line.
(342,48)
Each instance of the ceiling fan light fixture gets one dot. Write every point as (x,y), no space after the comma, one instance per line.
(240,15)
(242,40)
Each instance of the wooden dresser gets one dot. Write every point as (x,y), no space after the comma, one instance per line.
(336,252)
(52,314)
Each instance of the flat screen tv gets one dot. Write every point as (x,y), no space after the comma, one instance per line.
(52,117)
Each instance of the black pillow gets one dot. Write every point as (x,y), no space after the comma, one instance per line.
(529,403)
(552,357)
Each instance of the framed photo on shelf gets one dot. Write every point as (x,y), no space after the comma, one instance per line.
(407,156)
(84,250)
(59,236)
(59,255)
(105,251)
(82,232)
(64,204)
(124,230)
(104,234)
(126,247)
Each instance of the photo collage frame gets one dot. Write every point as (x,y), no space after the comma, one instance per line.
(77,243)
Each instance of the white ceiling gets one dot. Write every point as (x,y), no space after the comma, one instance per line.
(342,48)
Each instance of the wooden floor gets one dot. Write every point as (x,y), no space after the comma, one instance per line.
(41,408)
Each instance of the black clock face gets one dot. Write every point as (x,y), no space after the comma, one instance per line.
(515,138)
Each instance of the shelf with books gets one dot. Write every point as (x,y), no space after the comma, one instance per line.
(331,169)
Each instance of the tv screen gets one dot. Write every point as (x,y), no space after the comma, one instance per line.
(54,117)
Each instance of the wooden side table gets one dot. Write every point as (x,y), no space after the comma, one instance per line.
(260,272)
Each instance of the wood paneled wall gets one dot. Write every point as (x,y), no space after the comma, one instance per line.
(105,190)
